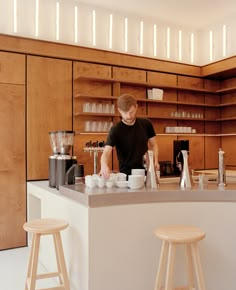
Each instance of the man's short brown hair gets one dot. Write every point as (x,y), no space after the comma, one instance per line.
(125,102)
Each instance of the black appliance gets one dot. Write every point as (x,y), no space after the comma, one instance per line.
(63,167)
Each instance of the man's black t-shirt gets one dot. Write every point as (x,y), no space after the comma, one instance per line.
(131,143)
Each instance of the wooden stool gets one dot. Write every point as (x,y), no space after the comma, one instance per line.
(46,227)
(173,236)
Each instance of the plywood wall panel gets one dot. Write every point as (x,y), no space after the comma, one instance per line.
(12,68)
(161,79)
(49,108)
(212,145)
(127,74)
(12,166)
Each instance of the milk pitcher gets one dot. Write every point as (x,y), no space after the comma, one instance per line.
(151,178)
(185,179)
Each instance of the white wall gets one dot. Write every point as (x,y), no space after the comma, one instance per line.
(22,18)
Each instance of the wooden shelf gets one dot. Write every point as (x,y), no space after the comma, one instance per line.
(161,134)
(227,119)
(149,101)
(147,85)
(226,90)
(95,97)
(95,114)
(145,116)
(227,104)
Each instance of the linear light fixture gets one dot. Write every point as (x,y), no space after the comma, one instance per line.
(168,42)
(110,31)
(57,20)
(126,34)
(192,48)
(36,18)
(76,24)
(94,28)
(154,40)
(211,45)
(224,41)
(180,45)
(141,38)
(15,16)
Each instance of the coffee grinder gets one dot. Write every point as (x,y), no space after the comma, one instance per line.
(62,165)
(65,161)
(53,158)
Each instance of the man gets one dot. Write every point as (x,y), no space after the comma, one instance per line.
(131,136)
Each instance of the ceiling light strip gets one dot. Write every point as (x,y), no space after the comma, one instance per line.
(141,38)
(110,31)
(76,24)
(224,41)
(192,48)
(154,40)
(126,34)
(168,42)
(36,18)
(57,20)
(94,28)
(211,45)
(180,45)
(15,16)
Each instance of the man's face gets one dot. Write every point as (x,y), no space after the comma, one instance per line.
(129,117)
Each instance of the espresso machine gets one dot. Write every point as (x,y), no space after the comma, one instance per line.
(63,167)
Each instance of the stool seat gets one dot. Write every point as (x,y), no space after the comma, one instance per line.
(38,228)
(172,236)
(45,226)
(180,234)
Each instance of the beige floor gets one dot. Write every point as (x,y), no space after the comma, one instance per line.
(13,269)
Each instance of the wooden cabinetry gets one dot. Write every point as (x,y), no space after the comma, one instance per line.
(49,108)
(12,146)
(188,102)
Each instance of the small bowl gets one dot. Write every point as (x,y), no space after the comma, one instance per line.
(109,183)
(121,183)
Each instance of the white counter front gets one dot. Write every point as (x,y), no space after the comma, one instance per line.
(110,243)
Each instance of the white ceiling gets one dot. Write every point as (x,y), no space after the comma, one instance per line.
(189,13)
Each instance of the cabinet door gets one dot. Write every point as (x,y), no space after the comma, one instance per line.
(12,166)
(49,108)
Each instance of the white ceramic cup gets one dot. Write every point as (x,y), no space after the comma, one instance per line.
(138,171)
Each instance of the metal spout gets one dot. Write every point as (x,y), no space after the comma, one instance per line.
(185,180)
(221,170)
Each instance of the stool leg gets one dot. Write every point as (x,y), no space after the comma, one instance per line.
(33,263)
(61,260)
(57,259)
(190,267)
(198,267)
(161,266)
(170,267)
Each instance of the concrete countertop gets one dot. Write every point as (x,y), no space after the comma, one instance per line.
(168,191)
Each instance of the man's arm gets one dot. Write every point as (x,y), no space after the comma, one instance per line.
(106,155)
(154,147)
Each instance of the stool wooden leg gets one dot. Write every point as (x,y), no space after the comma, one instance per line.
(198,267)
(170,267)
(61,260)
(161,266)
(190,267)
(33,263)
(58,260)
